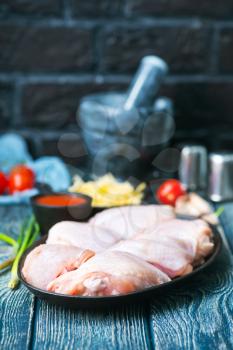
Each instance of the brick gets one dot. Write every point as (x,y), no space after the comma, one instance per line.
(6,110)
(186,49)
(42,49)
(204,8)
(226,51)
(225,141)
(199,106)
(75,150)
(32,139)
(183,137)
(202,105)
(70,144)
(30,8)
(54,105)
(95,8)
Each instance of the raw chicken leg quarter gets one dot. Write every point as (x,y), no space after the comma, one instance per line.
(109,273)
(130,220)
(167,254)
(82,235)
(46,262)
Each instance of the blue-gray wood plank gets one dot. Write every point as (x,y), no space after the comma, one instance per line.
(197,316)
(17,307)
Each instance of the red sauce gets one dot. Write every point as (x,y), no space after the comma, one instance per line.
(60,200)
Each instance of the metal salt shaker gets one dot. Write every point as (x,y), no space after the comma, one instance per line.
(193,167)
(220,176)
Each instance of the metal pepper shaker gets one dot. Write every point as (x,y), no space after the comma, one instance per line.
(193,167)
(220,176)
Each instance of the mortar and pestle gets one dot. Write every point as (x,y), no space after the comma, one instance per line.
(123,132)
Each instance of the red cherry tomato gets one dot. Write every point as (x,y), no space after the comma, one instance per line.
(3,182)
(21,178)
(169,191)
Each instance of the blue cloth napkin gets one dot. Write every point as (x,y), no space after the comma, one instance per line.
(49,170)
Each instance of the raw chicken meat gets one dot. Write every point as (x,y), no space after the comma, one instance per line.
(82,235)
(169,255)
(129,220)
(194,235)
(194,205)
(46,262)
(109,273)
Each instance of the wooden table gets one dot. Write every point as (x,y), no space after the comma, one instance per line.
(197,316)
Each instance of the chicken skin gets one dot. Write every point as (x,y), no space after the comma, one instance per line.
(82,235)
(169,255)
(130,220)
(109,273)
(46,262)
(193,235)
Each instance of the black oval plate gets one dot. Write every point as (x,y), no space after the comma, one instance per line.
(100,302)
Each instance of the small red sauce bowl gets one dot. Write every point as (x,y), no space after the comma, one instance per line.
(54,207)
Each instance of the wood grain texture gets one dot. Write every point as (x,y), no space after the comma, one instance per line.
(57,328)
(200,315)
(226,220)
(196,316)
(16,307)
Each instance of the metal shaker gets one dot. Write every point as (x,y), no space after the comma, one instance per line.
(146,82)
(193,167)
(220,176)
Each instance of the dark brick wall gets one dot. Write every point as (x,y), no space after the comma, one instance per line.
(53,52)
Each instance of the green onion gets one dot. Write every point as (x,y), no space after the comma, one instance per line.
(9,240)
(219,211)
(6,263)
(22,231)
(24,245)
(35,235)
(29,232)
